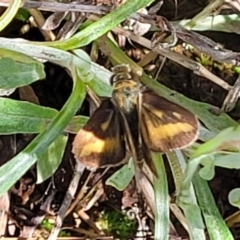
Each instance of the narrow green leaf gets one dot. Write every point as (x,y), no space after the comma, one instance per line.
(50,160)
(186,199)
(100,88)
(23,117)
(220,23)
(229,160)
(16,54)
(100,27)
(161,199)
(224,139)
(187,194)
(100,83)
(16,74)
(176,169)
(193,215)
(216,226)
(10,107)
(121,179)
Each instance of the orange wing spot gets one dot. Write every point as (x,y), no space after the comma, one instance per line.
(95,145)
(170,130)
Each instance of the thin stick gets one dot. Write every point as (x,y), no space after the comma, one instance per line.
(55,6)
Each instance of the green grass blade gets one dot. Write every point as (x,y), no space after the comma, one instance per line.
(102,26)
(9,13)
(229,23)
(217,228)
(176,170)
(24,117)
(161,200)
(186,199)
(17,74)
(225,139)
(50,160)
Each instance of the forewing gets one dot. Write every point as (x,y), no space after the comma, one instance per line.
(100,142)
(166,125)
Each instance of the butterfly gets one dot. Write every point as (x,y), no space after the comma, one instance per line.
(134,120)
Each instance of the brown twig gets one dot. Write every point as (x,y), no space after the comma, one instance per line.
(67,201)
(232,97)
(53,6)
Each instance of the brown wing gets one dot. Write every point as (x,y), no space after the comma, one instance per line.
(166,125)
(101,142)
